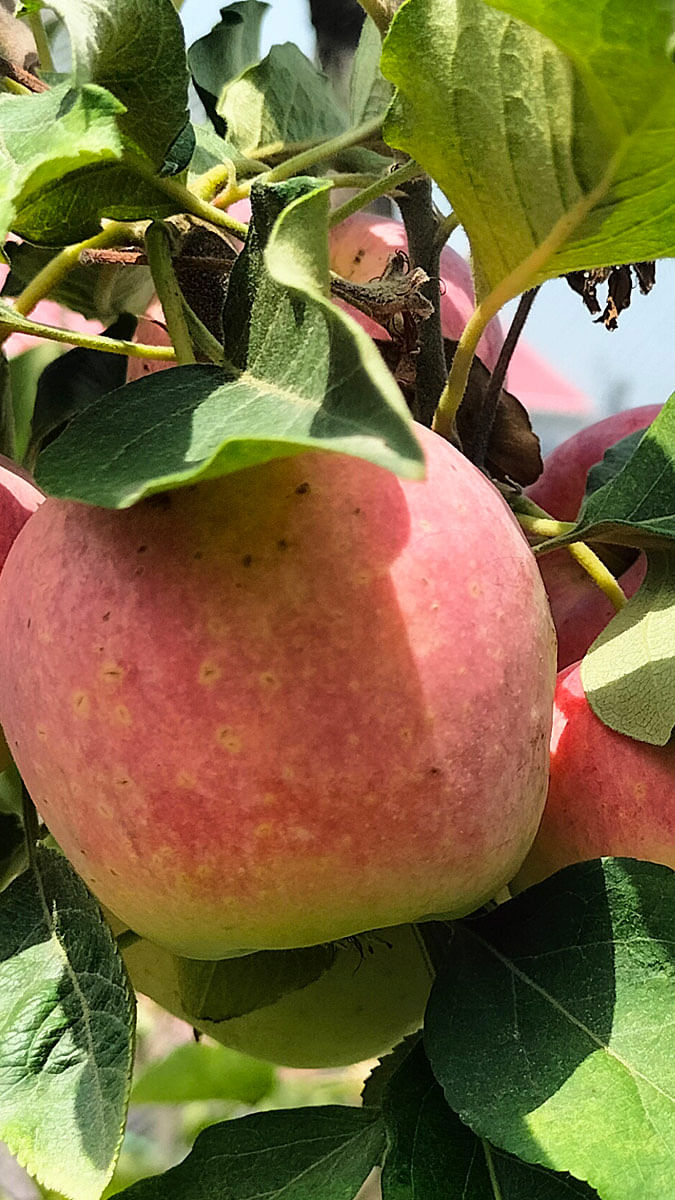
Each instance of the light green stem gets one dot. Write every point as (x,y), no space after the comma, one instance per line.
(115,234)
(380,187)
(41,41)
(9,323)
(494,1182)
(191,203)
(158,249)
(317,153)
(446,229)
(546,527)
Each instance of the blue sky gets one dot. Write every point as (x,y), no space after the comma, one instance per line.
(635,365)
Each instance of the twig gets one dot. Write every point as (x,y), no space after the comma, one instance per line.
(380,187)
(19,75)
(416,205)
(494,387)
(16,323)
(316,154)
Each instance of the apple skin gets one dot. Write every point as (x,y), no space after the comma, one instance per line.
(19,498)
(580,610)
(608,794)
(285,706)
(374,994)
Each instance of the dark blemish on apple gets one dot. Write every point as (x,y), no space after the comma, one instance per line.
(105,617)
(197,554)
(356,511)
(28,623)
(358,256)
(282,544)
(302,489)
(247,560)
(139,571)
(434,770)
(141,549)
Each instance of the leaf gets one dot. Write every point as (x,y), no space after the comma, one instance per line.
(101,290)
(369,92)
(231,46)
(232,987)
(302,376)
(613,461)
(203,1072)
(629,672)
(302,1154)
(554,157)
(550,1026)
(82,131)
(12,842)
(72,381)
(25,370)
(110,47)
(212,150)
(431,1154)
(637,506)
(66,1031)
(282,99)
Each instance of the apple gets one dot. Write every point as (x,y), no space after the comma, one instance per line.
(285,706)
(360,249)
(608,794)
(372,995)
(580,610)
(19,498)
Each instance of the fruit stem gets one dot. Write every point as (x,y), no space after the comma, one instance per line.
(494,1182)
(116,233)
(158,250)
(380,187)
(189,202)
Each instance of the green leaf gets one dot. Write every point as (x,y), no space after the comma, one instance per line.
(231,46)
(282,99)
(137,52)
(200,1071)
(66,1031)
(232,987)
(431,1154)
(83,131)
(629,672)
(550,1026)
(637,506)
(12,844)
(613,461)
(301,1154)
(101,290)
(554,157)
(369,92)
(212,150)
(302,376)
(25,370)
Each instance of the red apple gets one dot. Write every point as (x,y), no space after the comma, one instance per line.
(373,995)
(608,794)
(285,706)
(580,610)
(19,497)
